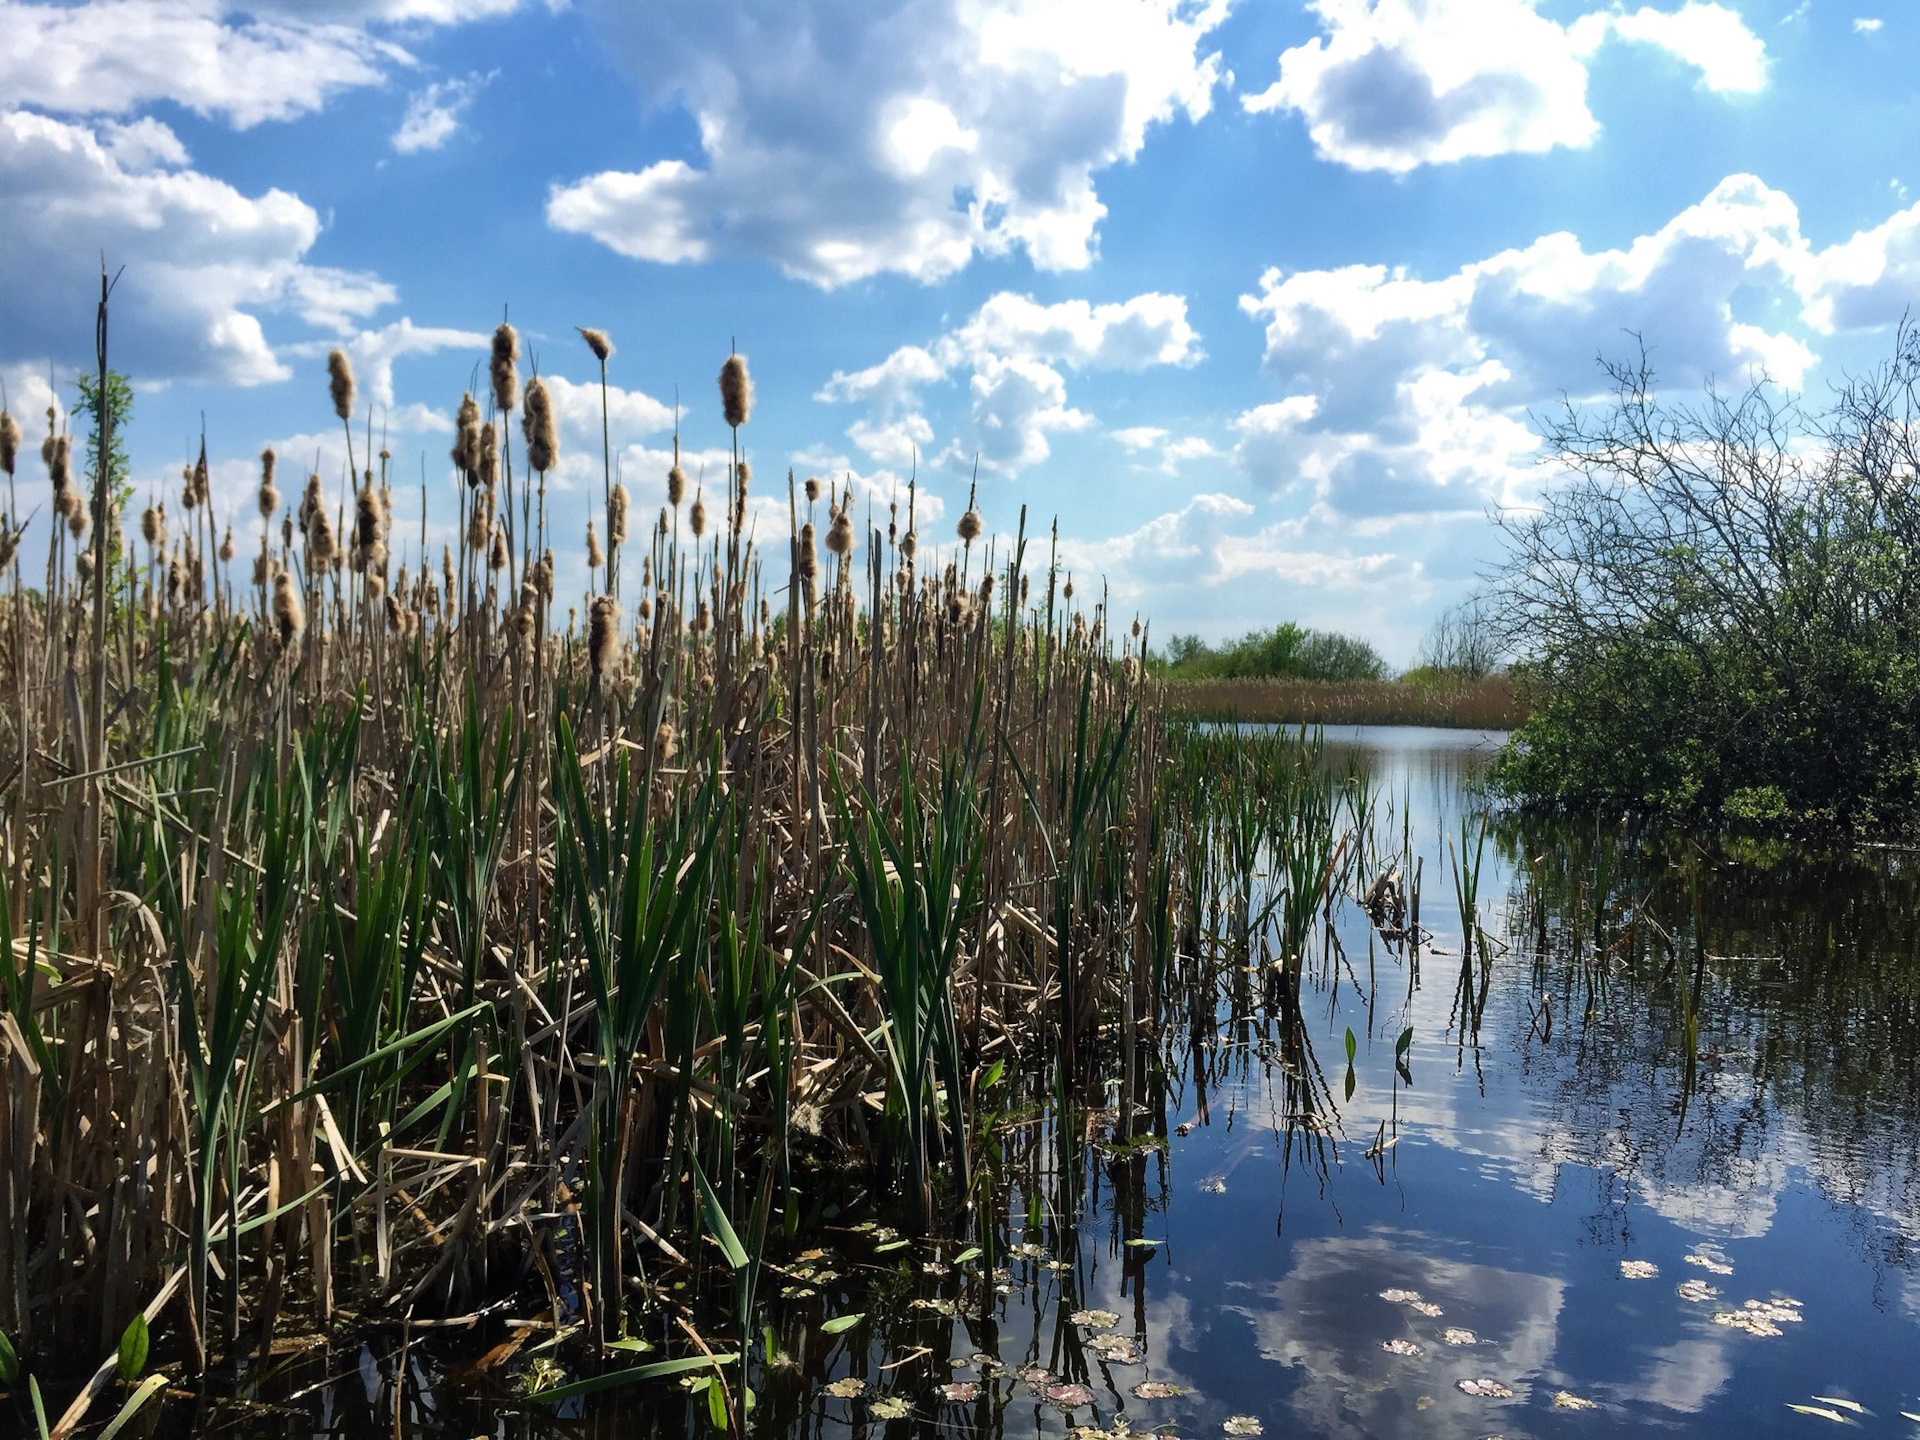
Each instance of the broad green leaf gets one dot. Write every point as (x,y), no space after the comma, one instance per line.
(630,1377)
(133,1349)
(840,1324)
(9,1361)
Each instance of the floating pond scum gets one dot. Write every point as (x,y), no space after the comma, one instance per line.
(431,1012)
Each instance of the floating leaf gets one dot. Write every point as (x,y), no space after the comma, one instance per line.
(1712,1264)
(1567,1400)
(1097,1319)
(1400,1297)
(960,1392)
(1069,1395)
(1242,1425)
(1695,1291)
(1426,1308)
(891,1407)
(1638,1270)
(1485,1389)
(1140,1242)
(1455,1335)
(851,1388)
(1820,1411)
(840,1324)
(655,1371)
(1398,1346)
(1214,1185)
(890,1246)
(1157,1390)
(1115,1349)
(1037,1375)
(1834,1400)
(1185,1127)
(972,1252)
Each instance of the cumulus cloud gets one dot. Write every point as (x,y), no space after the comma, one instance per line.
(843,140)
(1410,394)
(1868,280)
(373,352)
(203,260)
(1012,351)
(243,62)
(1868,25)
(1396,84)
(434,115)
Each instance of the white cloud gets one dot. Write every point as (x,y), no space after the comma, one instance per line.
(1173,450)
(434,114)
(1395,84)
(1867,25)
(846,141)
(374,351)
(243,62)
(1408,394)
(203,260)
(1012,350)
(1868,280)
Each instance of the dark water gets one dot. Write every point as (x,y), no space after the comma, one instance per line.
(1663,1051)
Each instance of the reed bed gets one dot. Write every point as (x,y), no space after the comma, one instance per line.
(1487,703)
(389,935)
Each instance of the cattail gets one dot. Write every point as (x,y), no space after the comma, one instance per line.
(597,342)
(595,557)
(176,579)
(986,588)
(9,542)
(83,564)
(369,542)
(523,612)
(201,481)
(497,560)
(702,619)
(226,547)
(736,391)
(397,616)
(153,527)
(269,496)
(340,383)
(506,378)
(263,568)
(320,541)
(489,468)
(909,543)
(646,607)
(809,562)
(840,534)
(617,517)
(1023,587)
(813,488)
(666,743)
(697,517)
(676,486)
(60,463)
(603,635)
(376,585)
(969,527)
(480,521)
(288,613)
(446,567)
(543,577)
(286,531)
(665,524)
(466,440)
(9,441)
(1066,591)
(536,420)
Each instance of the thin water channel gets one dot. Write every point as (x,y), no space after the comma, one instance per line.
(1653,1162)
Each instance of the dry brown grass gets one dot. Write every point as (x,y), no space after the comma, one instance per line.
(1487,704)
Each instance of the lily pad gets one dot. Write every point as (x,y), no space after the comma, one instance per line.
(1214,1185)
(1037,1375)
(1456,1335)
(1696,1291)
(1400,1297)
(1425,1307)
(1485,1389)
(1069,1395)
(1157,1390)
(1398,1346)
(1115,1349)
(891,1407)
(1567,1400)
(1242,1425)
(851,1388)
(1709,1262)
(1095,1319)
(960,1392)
(1638,1270)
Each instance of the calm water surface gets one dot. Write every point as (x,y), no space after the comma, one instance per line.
(1681,1055)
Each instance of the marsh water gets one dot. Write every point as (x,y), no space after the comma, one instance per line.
(1651,1163)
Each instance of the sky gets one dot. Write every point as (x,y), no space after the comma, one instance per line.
(1261,301)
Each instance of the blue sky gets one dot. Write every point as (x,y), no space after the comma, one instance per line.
(1257,298)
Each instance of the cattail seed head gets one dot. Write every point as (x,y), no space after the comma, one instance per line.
(1066,591)
(595,557)
(153,527)
(597,342)
(617,517)
(466,440)
(201,481)
(666,743)
(909,543)
(969,526)
(376,585)
(340,383)
(76,520)
(543,439)
(288,613)
(840,534)
(226,547)
(489,468)
(369,542)
(736,391)
(269,498)
(697,517)
(676,486)
(320,540)
(813,488)
(60,463)
(543,577)
(603,635)
(809,562)
(503,370)
(9,441)
(702,619)
(497,559)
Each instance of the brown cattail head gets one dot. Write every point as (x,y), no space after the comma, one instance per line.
(666,525)
(676,486)
(226,547)
(503,370)
(595,556)
(466,440)
(369,534)
(840,534)
(543,439)
(909,543)
(76,519)
(603,635)
(489,469)
(736,391)
(288,613)
(497,559)
(201,481)
(269,496)
(969,527)
(697,517)
(320,539)
(1066,591)
(813,488)
(809,562)
(666,743)
(376,585)
(60,463)
(9,442)
(617,517)
(153,527)
(702,619)
(543,577)
(83,561)
(597,342)
(340,383)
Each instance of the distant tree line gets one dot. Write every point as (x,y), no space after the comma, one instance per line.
(1284,652)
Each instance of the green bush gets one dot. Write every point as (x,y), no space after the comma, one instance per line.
(1285,652)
